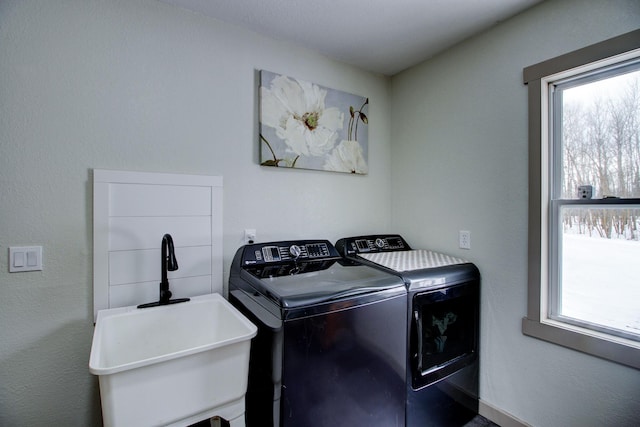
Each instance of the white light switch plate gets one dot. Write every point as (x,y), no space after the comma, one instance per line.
(25,258)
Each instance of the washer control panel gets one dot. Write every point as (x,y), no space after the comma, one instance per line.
(373,243)
(288,251)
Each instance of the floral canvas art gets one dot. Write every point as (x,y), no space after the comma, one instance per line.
(307,126)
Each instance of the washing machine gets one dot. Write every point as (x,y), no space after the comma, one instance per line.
(330,349)
(443,320)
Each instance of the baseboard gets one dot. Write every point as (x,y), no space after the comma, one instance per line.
(498,416)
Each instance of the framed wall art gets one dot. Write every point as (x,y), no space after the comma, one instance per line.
(307,126)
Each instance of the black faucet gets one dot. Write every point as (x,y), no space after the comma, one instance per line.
(168,262)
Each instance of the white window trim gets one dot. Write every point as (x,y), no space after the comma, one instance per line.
(538,323)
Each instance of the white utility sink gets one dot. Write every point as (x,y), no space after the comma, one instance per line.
(172,365)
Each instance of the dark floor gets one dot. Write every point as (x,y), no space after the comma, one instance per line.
(480,421)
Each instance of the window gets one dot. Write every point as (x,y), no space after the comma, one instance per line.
(584,200)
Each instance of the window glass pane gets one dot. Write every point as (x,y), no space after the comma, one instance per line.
(599,281)
(596,137)
(600,133)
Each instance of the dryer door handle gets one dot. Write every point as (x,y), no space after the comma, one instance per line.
(417,318)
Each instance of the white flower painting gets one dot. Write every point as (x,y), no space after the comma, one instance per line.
(307,126)
(346,157)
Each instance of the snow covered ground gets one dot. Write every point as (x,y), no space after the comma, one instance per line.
(601,281)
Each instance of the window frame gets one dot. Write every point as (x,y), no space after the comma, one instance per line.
(538,322)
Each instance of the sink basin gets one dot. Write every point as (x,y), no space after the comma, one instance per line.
(172,365)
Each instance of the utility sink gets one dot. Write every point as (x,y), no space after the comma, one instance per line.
(173,364)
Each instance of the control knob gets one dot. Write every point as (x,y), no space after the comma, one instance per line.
(295,251)
(380,243)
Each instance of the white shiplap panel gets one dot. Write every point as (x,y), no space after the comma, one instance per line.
(145,265)
(155,178)
(147,200)
(217,240)
(128,233)
(100,246)
(134,209)
(140,293)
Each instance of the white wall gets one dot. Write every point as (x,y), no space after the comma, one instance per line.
(140,85)
(459,159)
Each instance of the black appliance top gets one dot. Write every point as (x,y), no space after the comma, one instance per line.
(375,243)
(303,273)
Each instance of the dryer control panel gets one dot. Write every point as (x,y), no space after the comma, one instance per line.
(288,251)
(371,244)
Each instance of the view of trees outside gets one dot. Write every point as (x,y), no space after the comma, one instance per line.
(601,147)
(600,268)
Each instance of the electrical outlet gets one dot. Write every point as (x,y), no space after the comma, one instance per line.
(464,239)
(249,236)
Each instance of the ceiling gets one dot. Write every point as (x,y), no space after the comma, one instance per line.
(382,36)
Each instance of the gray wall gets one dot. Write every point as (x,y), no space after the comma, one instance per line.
(459,159)
(140,85)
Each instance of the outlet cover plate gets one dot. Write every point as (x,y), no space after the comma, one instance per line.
(25,258)
(464,239)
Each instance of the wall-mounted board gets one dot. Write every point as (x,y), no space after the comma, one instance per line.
(131,213)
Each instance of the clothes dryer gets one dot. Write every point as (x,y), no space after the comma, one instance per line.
(443,318)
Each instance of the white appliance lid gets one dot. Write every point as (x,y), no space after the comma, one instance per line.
(412,260)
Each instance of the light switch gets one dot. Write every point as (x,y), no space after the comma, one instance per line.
(25,258)
(18,259)
(32,258)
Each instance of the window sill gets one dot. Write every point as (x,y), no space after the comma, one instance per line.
(620,351)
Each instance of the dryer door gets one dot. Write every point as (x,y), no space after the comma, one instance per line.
(444,332)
